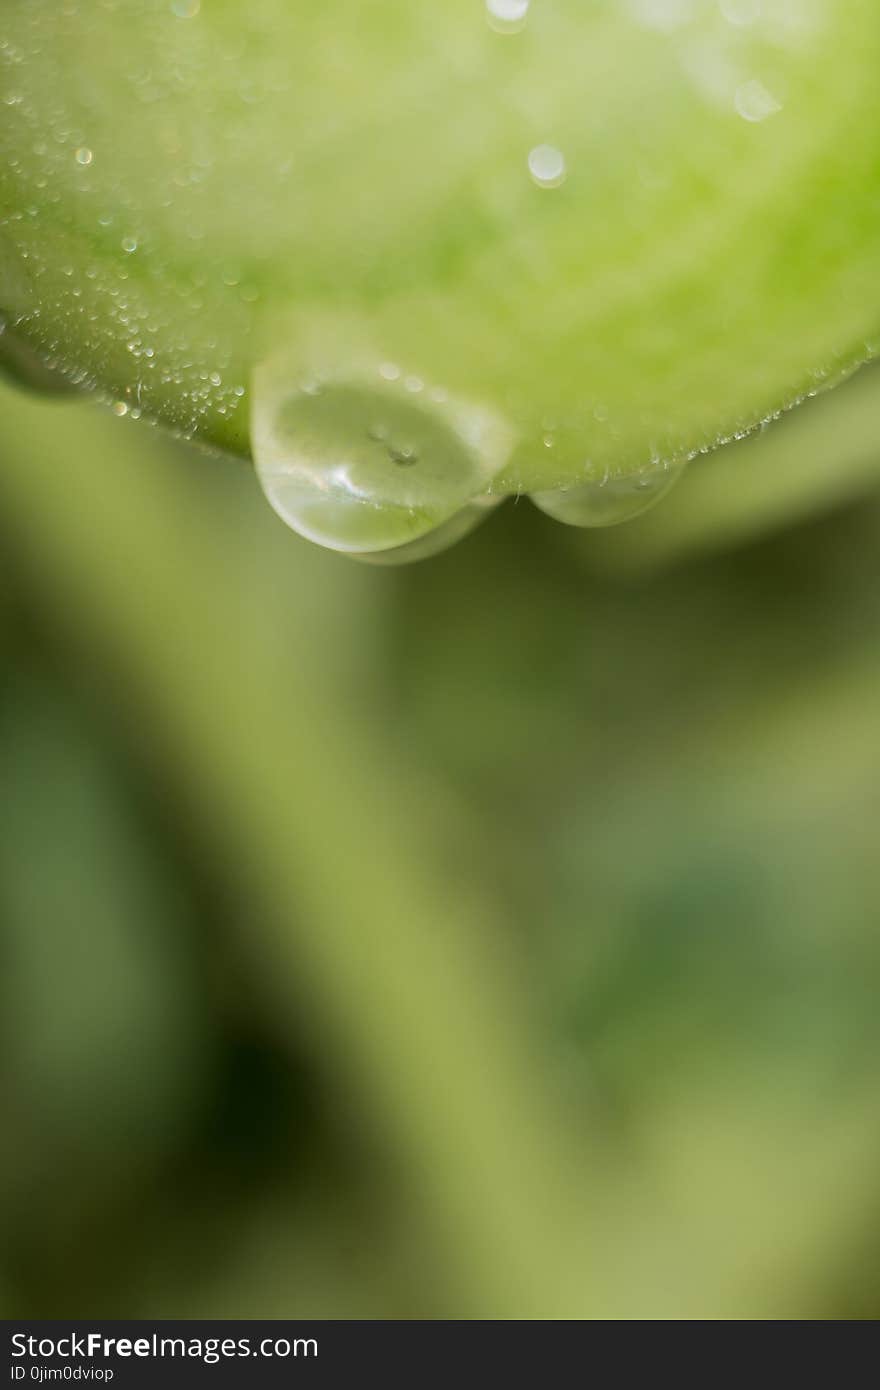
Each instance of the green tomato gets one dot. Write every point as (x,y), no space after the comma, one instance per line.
(568,244)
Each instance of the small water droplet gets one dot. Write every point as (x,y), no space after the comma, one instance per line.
(120,408)
(83,155)
(389,371)
(507,16)
(403,454)
(129,244)
(547,166)
(185,9)
(339,466)
(754,102)
(608,501)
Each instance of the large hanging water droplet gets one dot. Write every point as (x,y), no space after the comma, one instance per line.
(23,366)
(373,461)
(608,501)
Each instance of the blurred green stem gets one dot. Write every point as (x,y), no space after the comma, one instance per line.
(415,1005)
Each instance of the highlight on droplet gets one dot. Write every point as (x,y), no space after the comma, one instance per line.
(547,166)
(507,16)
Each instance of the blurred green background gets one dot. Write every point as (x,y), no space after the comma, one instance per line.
(496,937)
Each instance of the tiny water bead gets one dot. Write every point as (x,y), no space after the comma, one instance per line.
(547,166)
(507,16)
(755,103)
(364,463)
(608,501)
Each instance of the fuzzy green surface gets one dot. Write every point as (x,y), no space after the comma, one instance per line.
(185,188)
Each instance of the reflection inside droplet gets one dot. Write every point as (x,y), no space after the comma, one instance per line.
(438,540)
(608,501)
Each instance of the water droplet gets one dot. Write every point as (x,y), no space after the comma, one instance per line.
(547,166)
(507,16)
(120,408)
(363,466)
(83,155)
(754,103)
(129,244)
(608,501)
(185,9)
(403,454)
